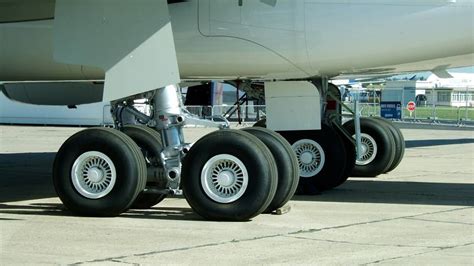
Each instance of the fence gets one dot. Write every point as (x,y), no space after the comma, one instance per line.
(244,113)
(436,113)
(433,114)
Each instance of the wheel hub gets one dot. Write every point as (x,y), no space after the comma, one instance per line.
(224,178)
(306,158)
(364,148)
(93,175)
(311,157)
(368,149)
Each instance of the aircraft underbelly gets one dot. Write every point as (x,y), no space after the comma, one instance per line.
(263,38)
(276,40)
(370,36)
(27,50)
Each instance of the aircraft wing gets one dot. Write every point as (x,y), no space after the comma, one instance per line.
(119,36)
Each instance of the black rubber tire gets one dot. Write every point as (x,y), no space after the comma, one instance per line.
(385,147)
(150,144)
(332,173)
(350,156)
(257,159)
(261,123)
(399,143)
(287,165)
(130,170)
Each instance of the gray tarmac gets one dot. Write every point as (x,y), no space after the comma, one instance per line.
(419,214)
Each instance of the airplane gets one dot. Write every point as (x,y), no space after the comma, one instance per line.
(57,52)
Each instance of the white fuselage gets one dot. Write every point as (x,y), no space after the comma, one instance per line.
(289,40)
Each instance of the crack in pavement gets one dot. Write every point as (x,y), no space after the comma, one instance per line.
(289,234)
(362,244)
(376,221)
(420,253)
(124,262)
(179,249)
(438,221)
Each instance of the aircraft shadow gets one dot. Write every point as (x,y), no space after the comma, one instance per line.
(26,176)
(398,192)
(436,142)
(57,209)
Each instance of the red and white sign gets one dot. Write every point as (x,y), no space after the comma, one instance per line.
(411,106)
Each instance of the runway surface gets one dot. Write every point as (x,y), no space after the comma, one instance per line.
(421,213)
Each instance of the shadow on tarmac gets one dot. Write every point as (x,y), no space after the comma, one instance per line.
(26,176)
(398,192)
(436,142)
(159,213)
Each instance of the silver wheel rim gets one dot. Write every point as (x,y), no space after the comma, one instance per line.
(368,149)
(224,178)
(310,156)
(93,175)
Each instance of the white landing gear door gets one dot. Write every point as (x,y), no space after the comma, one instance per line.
(131,40)
(292,105)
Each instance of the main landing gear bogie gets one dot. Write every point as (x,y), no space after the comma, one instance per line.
(230,175)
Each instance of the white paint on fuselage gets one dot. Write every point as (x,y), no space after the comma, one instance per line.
(294,39)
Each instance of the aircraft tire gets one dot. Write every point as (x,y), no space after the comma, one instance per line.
(229,175)
(287,165)
(99,172)
(261,123)
(379,147)
(399,143)
(325,156)
(350,157)
(150,144)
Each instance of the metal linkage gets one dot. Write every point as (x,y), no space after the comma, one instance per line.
(168,117)
(323,83)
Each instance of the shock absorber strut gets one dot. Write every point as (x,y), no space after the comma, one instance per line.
(169,121)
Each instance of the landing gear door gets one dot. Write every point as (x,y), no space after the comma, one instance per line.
(131,40)
(292,105)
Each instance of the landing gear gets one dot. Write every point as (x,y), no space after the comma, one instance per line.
(321,157)
(229,175)
(399,143)
(150,145)
(99,172)
(378,147)
(287,165)
(325,157)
